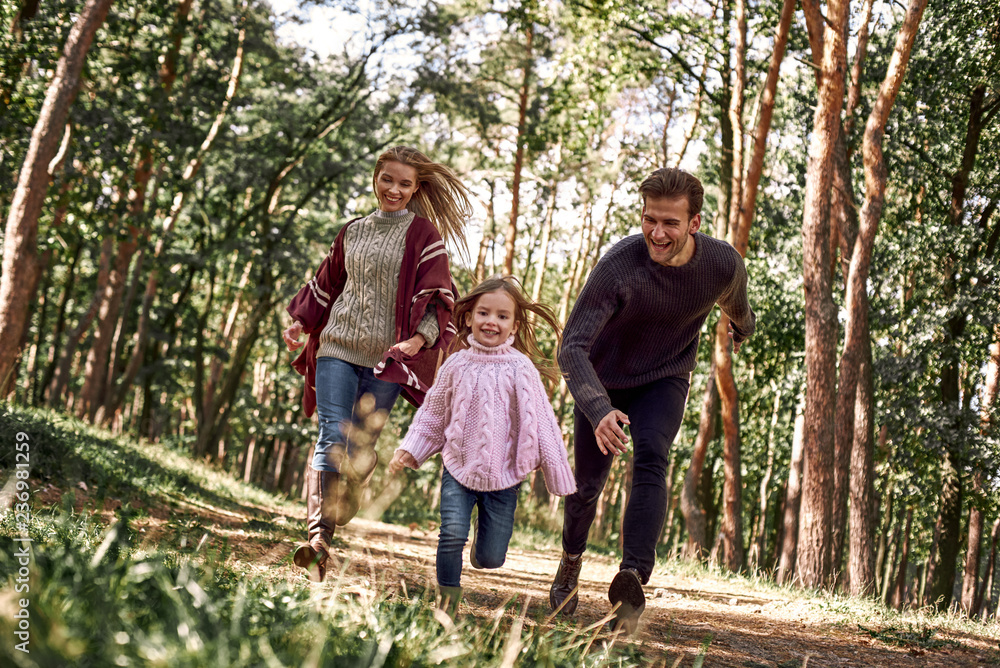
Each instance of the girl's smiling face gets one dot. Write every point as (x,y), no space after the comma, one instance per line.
(492,320)
(395,185)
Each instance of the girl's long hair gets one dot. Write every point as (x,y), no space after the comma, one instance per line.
(524,339)
(440,197)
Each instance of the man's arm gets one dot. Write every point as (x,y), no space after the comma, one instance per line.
(735,304)
(596,305)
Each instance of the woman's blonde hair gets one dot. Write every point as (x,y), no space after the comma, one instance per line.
(524,338)
(440,197)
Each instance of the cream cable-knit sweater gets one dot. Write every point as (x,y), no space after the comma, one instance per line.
(489,417)
(362,325)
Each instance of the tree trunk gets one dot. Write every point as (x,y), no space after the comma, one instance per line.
(732,494)
(691,508)
(63,369)
(983,595)
(57,335)
(893,546)
(699,98)
(489,232)
(748,201)
(95,374)
(736,103)
(888,503)
(99,382)
(813,566)
(20,262)
(671,498)
(522,113)
(742,202)
(570,286)
(793,501)
(952,493)
(117,396)
(759,546)
(857,339)
(970,579)
(942,576)
(706,495)
(863,511)
(217,417)
(543,255)
(899,588)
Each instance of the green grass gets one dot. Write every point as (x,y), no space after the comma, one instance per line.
(100,594)
(96,601)
(103,594)
(65,452)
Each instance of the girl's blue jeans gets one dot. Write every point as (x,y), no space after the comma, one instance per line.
(496,524)
(340,387)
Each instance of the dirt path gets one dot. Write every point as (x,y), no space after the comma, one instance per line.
(743,627)
(747,629)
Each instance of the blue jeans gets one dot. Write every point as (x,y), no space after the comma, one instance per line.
(496,524)
(340,387)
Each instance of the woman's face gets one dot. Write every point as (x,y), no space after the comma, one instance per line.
(395,185)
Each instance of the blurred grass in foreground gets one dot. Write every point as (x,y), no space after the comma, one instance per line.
(105,595)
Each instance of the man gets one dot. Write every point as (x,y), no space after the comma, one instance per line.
(629,347)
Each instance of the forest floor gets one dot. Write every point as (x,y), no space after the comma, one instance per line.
(184,509)
(742,625)
(692,615)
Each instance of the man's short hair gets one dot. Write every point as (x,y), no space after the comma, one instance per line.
(671,183)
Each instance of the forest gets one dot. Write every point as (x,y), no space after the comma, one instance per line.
(171,174)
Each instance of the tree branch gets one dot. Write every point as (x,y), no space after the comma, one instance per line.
(716,98)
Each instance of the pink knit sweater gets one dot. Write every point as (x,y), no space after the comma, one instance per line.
(489,417)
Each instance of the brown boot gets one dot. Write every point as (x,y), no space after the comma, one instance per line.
(565,590)
(627,600)
(321,494)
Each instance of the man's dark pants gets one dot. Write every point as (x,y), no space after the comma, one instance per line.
(655,411)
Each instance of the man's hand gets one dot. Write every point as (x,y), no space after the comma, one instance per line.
(610,437)
(291,336)
(400,459)
(412,345)
(736,344)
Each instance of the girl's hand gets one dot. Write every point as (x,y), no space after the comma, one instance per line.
(412,345)
(291,336)
(402,458)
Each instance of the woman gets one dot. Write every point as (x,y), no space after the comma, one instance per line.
(378,313)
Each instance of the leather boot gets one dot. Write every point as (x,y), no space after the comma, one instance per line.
(627,601)
(565,587)
(321,495)
(450,598)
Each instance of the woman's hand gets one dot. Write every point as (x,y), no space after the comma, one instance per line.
(291,336)
(412,345)
(402,458)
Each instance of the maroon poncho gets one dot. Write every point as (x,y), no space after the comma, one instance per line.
(424,279)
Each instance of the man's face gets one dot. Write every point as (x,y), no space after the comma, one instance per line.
(668,230)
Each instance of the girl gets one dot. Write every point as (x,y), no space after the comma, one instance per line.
(490,418)
(377,312)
